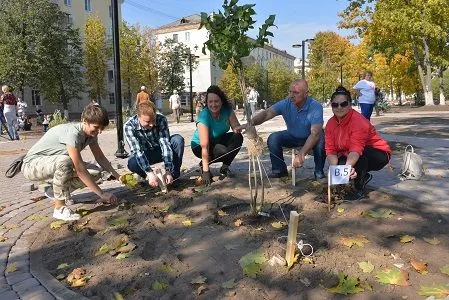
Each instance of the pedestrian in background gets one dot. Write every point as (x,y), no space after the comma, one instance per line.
(175,105)
(365,88)
(9,102)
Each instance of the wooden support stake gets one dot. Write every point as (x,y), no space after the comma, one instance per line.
(291,240)
(293,168)
(329,190)
(161,181)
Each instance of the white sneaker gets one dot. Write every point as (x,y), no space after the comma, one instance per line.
(66,214)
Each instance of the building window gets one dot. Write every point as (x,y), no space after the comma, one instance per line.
(68,2)
(110,11)
(111,98)
(87,5)
(175,37)
(110,76)
(68,19)
(187,36)
(35,98)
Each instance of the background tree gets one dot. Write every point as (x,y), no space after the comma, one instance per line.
(280,76)
(173,58)
(395,27)
(39,48)
(61,78)
(96,55)
(328,56)
(228,40)
(230,85)
(130,60)
(149,61)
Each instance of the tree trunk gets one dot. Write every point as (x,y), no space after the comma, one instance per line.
(425,78)
(65,103)
(242,84)
(441,85)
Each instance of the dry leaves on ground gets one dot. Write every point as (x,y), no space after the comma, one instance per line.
(346,285)
(393,276)
(355,240)
(419,266)
(406,238)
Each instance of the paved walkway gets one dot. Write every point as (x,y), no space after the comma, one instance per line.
(22,214)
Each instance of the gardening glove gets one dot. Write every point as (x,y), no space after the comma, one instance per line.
(206,178)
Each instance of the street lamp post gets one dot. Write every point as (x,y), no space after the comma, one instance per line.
(121,152)
(191,85)
(303,63)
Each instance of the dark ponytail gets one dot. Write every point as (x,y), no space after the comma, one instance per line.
(340,90)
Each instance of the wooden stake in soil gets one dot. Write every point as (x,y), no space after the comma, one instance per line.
(291,239)
(293,168)
(329,190)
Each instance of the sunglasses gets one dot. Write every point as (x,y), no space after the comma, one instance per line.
(342,104)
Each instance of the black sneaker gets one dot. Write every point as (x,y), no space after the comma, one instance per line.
(319,175)
(225,172)
(354,195)
(278,175)
(367,179)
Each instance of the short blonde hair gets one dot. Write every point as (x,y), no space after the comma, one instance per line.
(5,88)
(146,108)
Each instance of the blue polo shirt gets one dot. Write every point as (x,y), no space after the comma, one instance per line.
(299,121)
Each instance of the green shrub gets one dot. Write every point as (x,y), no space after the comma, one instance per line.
(58,118)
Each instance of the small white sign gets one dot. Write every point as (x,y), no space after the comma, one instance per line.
(339,174)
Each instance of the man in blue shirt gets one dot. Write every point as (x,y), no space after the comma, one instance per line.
(304,119)
(150,142)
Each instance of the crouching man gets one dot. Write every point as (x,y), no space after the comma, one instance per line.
(150,142)
(57,157)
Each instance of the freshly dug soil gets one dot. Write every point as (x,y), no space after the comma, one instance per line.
(170,254)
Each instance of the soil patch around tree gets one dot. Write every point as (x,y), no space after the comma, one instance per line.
(187,244)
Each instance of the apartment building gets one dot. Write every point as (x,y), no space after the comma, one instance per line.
(186,30)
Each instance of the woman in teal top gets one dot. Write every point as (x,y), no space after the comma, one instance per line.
(211,141)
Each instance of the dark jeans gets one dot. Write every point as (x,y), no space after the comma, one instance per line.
(219,147)
(367,110)
(155,156)
(371,160)
(280,139)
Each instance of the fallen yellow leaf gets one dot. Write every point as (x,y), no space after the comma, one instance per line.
(420,267)
(3,238)
(356,240)
(406,238)
(433,241)
(187,223)
(278,225)
(11,268)
(238,223)
(222,213)
(56,224)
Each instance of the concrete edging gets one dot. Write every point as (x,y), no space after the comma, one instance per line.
(38,270)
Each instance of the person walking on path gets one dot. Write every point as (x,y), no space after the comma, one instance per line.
(57,157)
(9,102)
(367,97)
(211,141)
(353,140)
(253,95)
(199,104)
(304,119)
(150,142)
(142,95)
(175,105)
(21,107)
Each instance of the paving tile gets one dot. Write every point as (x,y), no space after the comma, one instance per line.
(27,284)
(9,295)
(16,278)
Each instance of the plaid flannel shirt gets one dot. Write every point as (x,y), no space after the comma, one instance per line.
(141,139)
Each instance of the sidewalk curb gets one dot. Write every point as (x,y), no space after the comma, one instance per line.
(38,270)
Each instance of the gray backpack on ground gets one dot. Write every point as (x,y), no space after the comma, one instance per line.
(412,166)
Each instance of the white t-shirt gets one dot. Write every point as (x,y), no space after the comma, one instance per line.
(252,96)
(175,101)
(367,91)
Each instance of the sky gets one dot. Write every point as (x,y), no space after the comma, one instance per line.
(295,20)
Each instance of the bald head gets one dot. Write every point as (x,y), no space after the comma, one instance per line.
(298,92)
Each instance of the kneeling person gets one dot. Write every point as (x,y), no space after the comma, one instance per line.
(352,140)
(57,157)
(150,142)
(211,140)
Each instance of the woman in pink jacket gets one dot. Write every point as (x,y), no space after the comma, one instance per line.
(352,140)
